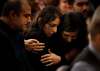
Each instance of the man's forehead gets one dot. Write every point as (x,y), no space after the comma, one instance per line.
(81,0)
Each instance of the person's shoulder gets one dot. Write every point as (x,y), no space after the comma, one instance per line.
(82,66)
(2,33)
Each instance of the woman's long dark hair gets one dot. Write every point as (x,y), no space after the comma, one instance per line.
(46,15)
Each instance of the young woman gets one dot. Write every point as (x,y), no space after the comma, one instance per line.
(44,55)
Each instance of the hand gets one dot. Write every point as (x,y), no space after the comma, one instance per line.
(34,45)
(50,59)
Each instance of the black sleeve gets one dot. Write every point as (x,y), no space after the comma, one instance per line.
(7,61)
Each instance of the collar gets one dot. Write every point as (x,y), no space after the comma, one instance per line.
(92,49)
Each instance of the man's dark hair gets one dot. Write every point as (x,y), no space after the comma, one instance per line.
(13,5)
(72,22)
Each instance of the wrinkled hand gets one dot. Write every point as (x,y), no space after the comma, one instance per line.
(34,45)
(50,59)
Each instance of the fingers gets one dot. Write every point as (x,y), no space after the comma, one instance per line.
(49,51)
(38,46)
(34,40)
(46,59)
(30,41)
(50,59)
(34,45)
(37,50)
(45,56)
(49,64)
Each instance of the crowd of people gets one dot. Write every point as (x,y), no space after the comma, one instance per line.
(50,35)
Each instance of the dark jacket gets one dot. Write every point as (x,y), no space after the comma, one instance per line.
(88,57)
(50,43)
(12,52)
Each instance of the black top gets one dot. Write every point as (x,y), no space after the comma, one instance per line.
(87,56)
(12,52)
(50,43)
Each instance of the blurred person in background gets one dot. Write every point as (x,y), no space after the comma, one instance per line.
(83,6)
(64,6)
(89,59)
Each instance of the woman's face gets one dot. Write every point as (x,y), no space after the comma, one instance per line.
(51,27)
